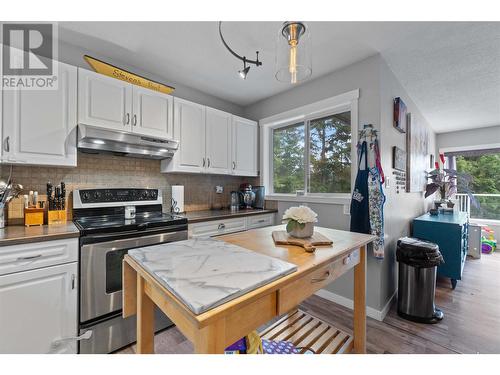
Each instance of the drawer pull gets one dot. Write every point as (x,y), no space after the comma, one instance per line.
(30,258)
(319,279)
(222,226)
(261,221)
(347,260)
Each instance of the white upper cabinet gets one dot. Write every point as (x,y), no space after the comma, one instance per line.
(218,141)
(244,147)
(39,126)
(113,104)
(38,309)
(152,113)
(189,130)
(104,101)
(212,141)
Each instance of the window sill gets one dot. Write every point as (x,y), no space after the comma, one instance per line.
(492,222)
(325,199)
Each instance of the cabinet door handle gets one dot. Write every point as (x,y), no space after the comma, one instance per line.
(73,281)
(208,162)
(234,165)
(127,119)
(30,257)
(6,146)
(134,120)
(84,336)
(203,162)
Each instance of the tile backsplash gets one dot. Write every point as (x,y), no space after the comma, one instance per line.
(105,171)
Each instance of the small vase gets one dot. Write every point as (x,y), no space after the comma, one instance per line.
(305,232)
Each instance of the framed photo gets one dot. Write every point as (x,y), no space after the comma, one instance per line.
(398,159)
(399,115)
(417,139)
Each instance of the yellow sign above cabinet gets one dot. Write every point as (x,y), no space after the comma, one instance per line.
(123,75)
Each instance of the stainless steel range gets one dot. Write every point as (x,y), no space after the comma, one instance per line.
(111,222)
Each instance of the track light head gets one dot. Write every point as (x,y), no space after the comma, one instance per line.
(243,72)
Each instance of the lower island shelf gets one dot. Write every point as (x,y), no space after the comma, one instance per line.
(307,332)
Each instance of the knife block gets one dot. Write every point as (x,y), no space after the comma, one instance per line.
(56,217)
(33,216)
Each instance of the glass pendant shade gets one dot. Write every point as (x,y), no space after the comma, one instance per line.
(293,53)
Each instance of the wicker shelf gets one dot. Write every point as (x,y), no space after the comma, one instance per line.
(308,332)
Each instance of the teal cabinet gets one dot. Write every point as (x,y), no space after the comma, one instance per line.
(450,233)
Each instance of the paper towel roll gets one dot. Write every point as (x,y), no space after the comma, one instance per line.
(178,198)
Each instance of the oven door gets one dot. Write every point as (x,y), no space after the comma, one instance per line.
(101,270)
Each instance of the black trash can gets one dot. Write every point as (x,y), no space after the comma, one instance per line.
(418,261)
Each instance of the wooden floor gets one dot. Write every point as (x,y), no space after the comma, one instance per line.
(471,323)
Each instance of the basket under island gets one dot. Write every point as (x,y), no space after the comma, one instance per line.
(218,291)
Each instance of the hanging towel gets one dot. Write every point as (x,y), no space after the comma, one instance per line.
(376,199)
(360,219)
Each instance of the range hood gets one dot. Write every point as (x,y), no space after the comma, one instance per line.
(97,140)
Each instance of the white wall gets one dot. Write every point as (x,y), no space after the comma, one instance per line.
(378,86)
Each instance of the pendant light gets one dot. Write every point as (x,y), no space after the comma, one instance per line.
(293,53)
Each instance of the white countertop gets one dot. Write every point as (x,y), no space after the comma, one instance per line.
(205,273)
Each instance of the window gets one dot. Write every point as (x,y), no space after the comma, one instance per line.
(315,153)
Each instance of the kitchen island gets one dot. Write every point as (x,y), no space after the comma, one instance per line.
(212,330)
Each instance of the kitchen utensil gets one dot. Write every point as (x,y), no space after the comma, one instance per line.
(309,244)
(247,195)
(63,195)
(235,201)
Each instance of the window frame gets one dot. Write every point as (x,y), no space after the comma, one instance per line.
(347,102)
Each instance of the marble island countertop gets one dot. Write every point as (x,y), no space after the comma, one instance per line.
(207,215)
(205,273)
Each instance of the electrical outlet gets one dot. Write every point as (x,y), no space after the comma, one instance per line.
(219,189)
(347,209)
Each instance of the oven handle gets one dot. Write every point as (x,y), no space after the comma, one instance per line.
(143,232)
(134,242)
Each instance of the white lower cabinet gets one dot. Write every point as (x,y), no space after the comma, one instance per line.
(39,297)
(219,227)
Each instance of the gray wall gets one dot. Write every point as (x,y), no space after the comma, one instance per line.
(73,55)
(378,86)
(467,138)
(400,208)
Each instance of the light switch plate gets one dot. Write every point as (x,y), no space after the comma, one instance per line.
(219,189)
(347,209)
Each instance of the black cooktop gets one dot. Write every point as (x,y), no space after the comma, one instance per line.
(118,223)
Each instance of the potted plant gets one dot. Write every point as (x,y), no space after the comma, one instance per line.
(300,221)
(445,181)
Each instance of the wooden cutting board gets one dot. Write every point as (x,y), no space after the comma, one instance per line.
(281,237)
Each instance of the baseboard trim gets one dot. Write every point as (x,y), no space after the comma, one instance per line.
(347,302)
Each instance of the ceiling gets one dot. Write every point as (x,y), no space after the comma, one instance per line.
(451,70)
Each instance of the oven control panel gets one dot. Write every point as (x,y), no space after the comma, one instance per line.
(88,196)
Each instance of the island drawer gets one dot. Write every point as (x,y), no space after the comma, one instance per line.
(259,221)
(294,293)
(216,227)
(30,256)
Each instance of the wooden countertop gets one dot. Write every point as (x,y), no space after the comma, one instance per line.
(208,215)
(19,234)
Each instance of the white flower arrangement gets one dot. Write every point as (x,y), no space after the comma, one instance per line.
(298,217)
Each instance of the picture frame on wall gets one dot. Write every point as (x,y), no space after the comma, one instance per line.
(400,115)
(417,139)
(398,159)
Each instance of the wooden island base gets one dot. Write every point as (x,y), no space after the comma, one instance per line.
(216,329)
